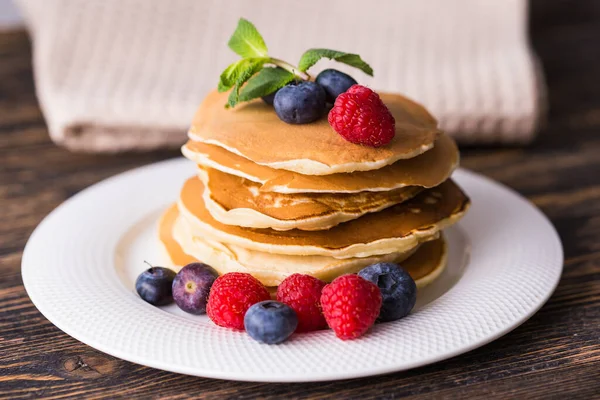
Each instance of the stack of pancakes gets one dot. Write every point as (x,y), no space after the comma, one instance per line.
(273,199)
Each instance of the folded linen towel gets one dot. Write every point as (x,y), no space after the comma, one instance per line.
(115,75)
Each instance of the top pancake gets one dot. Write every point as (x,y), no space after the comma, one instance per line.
(427,170)
(254,131)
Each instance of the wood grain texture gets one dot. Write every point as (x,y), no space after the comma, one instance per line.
(556,354)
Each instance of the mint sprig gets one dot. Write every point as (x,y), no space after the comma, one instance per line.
(257,74)
(237,73)
(310,58)
(246,41)
(267,80)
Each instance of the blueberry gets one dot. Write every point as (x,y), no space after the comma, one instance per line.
(335,83)
(154,285)
(269,98)
(191,287)
(398,289)
(270,322)
(300,103)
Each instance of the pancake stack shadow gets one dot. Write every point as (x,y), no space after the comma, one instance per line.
(273,199)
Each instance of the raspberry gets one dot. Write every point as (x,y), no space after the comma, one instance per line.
(303,294)
(231,296)
(351,305)
(360,117)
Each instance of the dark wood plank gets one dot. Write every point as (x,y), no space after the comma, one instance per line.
(556,354)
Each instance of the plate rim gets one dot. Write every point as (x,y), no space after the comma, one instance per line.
(233,375)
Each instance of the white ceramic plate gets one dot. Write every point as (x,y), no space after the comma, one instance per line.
(80,265)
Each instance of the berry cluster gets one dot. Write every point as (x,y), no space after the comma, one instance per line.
(357,113)
(301,102)
(349,305)
(189,287)
(359,117)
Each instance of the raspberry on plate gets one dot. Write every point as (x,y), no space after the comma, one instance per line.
(231,296)
(303,294)
(351,305)
(360,117)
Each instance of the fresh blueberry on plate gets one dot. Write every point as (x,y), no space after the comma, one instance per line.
(270,321)
(154,285)
(398,289)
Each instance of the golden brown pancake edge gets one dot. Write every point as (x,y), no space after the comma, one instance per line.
(254,131)
(427,170)
(405,224)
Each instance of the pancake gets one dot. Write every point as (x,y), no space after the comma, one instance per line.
(238,201)
(395,229)
(424,265)
(427,170)
(270,268)
(428,262)
(174,252)
(254,131)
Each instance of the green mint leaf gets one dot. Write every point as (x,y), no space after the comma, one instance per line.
(239,72)
(238,75)
(234,95)
(265,82)
(222,88)
(310,58)
(246,41)
(229,76)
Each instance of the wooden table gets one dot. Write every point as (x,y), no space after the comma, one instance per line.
(556,354)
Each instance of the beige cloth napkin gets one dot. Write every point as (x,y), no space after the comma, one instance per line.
(114,75)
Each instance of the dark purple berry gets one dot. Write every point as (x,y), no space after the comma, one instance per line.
(191,287)
(154,285)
